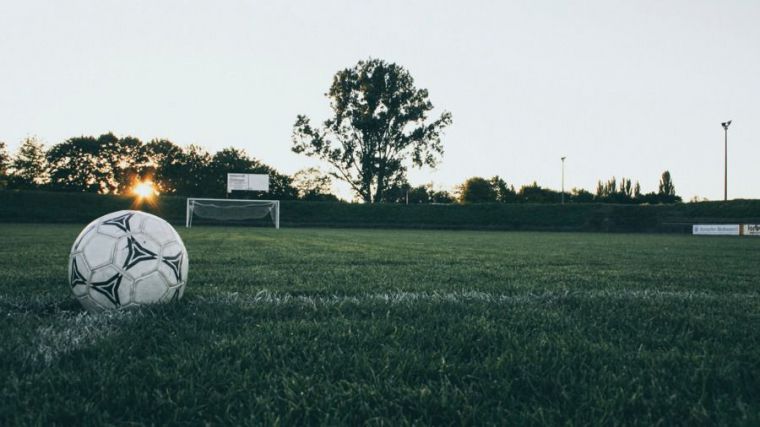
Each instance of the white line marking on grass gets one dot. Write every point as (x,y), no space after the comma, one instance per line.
(403,298)
(72,331)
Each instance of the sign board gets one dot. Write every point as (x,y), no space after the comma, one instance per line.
(716,229)
(247,182)
(751,230)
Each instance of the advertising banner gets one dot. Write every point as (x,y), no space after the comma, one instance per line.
(716,229)
(247,182)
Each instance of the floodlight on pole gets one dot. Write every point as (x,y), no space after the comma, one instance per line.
(563,179)
(725,159)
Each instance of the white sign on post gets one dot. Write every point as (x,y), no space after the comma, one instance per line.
(716,229)
(247,182)
(751,230)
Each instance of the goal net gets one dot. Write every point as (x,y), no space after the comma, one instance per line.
(237,210)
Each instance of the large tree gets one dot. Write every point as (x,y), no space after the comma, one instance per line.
(379,126)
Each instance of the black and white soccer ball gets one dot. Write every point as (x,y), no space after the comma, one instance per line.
(127,259)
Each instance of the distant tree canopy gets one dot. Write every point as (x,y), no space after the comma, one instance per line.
(612,192)
(495,190)
(108,164)
(379,125)
(313,185)
(625,192)
(481,190)
(405,193)
(477,190)
(534,193)
(504,193)
(111,165)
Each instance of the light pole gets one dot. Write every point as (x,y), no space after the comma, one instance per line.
(725,159)
(563,180)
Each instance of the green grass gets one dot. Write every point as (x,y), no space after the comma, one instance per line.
(312,326)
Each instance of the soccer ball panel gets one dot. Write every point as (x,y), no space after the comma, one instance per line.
(174,262)
(99,250)
(84,236)
(119,223)
(150,289)
(185,267)
(105,286)
(79,274)
(125,291)
(157,228)
(137,255)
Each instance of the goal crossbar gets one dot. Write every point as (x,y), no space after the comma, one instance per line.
(232,209)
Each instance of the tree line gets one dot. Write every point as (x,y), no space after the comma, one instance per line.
(108,164)
(496,190)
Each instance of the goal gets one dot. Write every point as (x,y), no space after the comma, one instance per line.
(232,210)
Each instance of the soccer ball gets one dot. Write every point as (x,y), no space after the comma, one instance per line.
(127,259)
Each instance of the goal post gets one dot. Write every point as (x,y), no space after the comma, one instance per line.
(232,210)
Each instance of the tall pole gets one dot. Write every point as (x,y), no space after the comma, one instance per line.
(563,180)
(725,159)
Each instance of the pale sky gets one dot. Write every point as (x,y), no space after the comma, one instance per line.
(622,88)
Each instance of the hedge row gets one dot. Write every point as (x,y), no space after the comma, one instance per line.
(39,206)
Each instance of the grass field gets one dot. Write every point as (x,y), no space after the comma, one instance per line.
(311,326)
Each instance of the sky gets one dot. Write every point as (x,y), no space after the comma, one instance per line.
(621,88)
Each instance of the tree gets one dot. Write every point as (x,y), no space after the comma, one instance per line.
(441,196)
(666,185)
(74,165)
(190,172)
(4,163)
(606,190)
(667,191)
(534,193)
(504,193)
(311,184)
(579,195)
(29,167)
(477,190)
(419,194)
(611,192)
(396,192)
(106,164)
(379,125)
(161,156)
(120,162)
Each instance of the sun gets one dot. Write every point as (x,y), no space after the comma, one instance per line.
(144,189)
